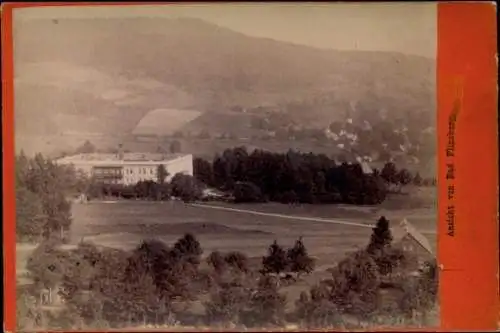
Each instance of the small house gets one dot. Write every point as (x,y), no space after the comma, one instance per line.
(415,242)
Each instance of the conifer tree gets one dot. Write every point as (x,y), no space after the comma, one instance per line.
(276,260)
(381,237)
(298,258)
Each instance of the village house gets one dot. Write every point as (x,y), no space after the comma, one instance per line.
(415,242)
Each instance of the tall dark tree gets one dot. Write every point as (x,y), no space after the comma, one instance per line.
(203,171)
(389,173)
(188,248)
(404,177)
(276,260)
(161,173)
(298,258)
(417,180)
(381,236)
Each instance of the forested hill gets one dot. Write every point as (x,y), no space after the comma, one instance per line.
(103,75)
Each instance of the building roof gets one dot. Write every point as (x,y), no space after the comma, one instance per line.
(414,234)
(367,170)
(127,157)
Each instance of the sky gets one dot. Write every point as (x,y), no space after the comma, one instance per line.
(409,28)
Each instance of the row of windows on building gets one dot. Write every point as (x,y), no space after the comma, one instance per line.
(121,171)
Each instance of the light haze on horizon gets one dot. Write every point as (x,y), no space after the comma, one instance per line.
(409,28)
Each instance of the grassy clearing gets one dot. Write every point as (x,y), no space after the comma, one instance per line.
(124,224)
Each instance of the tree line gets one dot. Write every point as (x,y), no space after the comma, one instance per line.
(295,177)
(155,284)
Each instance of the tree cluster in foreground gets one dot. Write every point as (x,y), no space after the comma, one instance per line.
(157,284)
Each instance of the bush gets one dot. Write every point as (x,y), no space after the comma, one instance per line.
(227,303)
(47,265)
(188,248)
(266,306)
(175,270)
(288,197)
(317,311)
(247,192)
(404,177)
(355,284)
(217,261)
(27,312)
(186,187)
(149,257)
(147,189)
(390,258)
(419,294)
(428,284)
(237,260)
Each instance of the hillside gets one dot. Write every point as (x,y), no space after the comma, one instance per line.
(116,71)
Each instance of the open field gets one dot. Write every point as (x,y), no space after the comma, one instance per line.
(124,224)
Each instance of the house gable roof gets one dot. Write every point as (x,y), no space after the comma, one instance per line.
(413,233)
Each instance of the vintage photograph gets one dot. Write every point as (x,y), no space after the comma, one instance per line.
(251,166)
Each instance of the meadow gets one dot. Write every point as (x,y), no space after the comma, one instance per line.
(123,224)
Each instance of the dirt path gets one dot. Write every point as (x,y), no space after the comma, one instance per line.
(283,216)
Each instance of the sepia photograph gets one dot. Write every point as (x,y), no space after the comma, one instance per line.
(250,166)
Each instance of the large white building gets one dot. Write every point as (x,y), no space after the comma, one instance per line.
(129,168)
